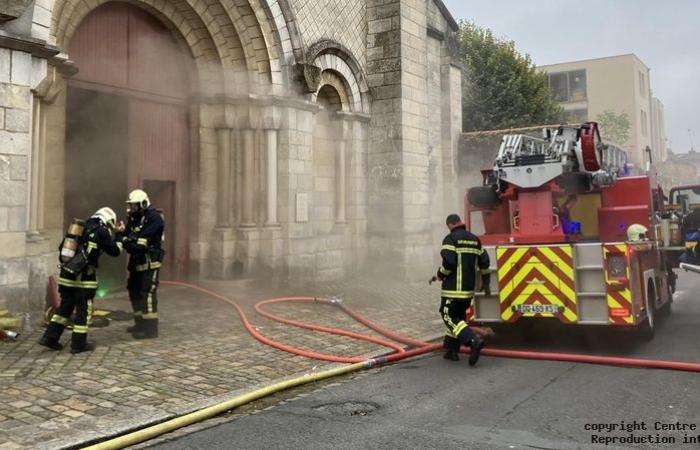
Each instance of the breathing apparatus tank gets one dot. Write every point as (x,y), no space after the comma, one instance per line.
(72,240)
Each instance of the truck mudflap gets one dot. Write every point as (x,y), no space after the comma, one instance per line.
(537,281)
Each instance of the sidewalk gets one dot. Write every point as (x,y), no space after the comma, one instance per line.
(57,400)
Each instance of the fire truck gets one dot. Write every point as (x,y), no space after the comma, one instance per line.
(554,213)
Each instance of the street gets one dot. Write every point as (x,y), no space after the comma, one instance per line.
(502,403)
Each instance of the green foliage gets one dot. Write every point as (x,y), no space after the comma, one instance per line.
(614,126)
(501,87)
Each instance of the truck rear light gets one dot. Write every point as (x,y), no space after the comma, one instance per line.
(617,266)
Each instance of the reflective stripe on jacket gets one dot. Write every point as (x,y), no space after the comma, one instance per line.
(462,256)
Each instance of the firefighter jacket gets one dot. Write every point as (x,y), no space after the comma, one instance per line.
(143,239)
(96,239)
(462,258)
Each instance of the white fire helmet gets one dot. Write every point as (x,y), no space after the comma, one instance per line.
(637,232)
(138,197)
(107,216)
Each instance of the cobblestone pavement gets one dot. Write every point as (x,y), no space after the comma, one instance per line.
(203,355)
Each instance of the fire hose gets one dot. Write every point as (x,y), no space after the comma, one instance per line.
(355,363)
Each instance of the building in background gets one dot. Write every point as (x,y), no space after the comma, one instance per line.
(679,169)
(619,85)
(301,139)
(659,141)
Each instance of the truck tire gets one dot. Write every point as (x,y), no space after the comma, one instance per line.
(647,328)
(665,310)
(483,196)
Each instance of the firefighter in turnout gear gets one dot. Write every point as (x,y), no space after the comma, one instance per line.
(143,241)
(77,282)
(462,258)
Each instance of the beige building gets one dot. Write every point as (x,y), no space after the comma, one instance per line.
(659,141)
(620,84)
(302,139)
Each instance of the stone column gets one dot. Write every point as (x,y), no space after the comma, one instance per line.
(271,144)
(340,183)
(223,204)
(247,218)
(344,145)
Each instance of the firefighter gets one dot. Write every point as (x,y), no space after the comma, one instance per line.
(462,257)
(143,241)
(691,255)
(77,283)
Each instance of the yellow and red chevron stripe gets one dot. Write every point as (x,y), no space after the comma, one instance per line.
(542,275)
(619,296)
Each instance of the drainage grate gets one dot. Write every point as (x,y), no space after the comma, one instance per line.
(348,408)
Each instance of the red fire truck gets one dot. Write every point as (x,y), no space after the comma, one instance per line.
(554,214)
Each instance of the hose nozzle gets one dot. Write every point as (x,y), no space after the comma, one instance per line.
(10,335)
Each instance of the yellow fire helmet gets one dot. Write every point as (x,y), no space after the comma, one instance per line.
(139,197)
(637,232)
(107,216)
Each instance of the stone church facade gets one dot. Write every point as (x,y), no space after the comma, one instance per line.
(300,139)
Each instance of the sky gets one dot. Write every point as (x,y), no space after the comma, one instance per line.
(664,34)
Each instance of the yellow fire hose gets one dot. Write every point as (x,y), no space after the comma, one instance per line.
(154,431)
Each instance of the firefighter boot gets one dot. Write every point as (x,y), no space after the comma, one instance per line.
(451,346)
(148,331)
(51,336)
(88,347)
(79,343)
(475,347)
(137,327)
(50,343)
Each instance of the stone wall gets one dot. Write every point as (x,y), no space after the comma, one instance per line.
(341,21)
(19,71)
(15,103)
(413,130)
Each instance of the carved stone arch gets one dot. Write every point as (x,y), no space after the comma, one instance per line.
(331,56)
(287,36)
(217,32)
(188,28)
(337,81)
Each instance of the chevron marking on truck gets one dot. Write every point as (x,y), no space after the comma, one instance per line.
(618,292)
(537,282)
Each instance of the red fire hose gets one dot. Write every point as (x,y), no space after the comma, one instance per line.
(420,347)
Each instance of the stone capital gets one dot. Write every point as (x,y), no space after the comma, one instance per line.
(308,76)
(10,10)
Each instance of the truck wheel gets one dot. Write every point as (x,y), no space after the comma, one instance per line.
(665,310)
(483,196)
(647,328)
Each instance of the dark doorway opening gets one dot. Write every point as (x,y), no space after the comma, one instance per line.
(128,125)
(96,165)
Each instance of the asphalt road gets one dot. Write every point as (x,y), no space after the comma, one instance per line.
(502,403)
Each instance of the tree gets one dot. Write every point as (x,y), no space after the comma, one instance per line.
(614,126)
(501,87)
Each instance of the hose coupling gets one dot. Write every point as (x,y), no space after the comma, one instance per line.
(334,300)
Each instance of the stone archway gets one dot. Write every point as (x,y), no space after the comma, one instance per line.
(235,50)
(339,165)
(127,124)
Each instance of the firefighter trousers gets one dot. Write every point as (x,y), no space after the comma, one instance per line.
(454,312)
(75,299)
(143,294)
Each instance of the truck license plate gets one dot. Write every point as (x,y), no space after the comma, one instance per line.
(537,309)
